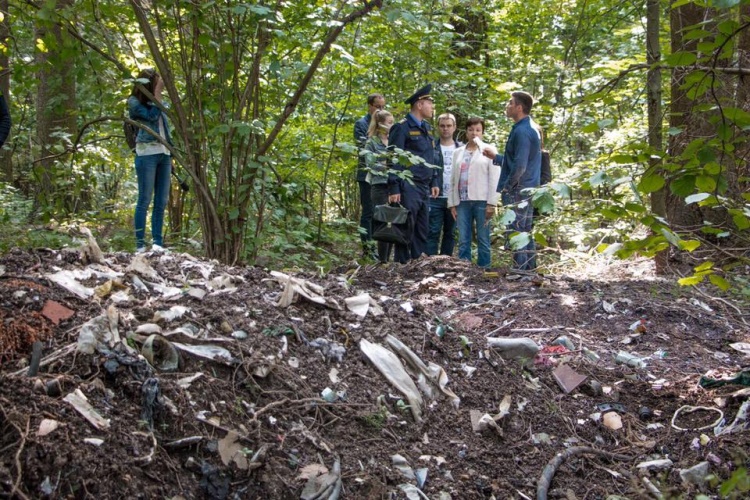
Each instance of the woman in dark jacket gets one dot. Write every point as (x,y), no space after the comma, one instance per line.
(377,174)
(153,161)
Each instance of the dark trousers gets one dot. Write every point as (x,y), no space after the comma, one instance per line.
(380,197)
(416,198)
(441,221)
(365,220)
(524,258)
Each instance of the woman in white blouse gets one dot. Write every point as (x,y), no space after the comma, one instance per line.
(473,195)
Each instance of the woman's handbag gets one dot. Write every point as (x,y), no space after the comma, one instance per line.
(392,224)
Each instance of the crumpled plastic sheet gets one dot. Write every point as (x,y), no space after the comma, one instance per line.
(393,370)
(434,372)
(331,351)
(741,421)
(99,333)
(325,486)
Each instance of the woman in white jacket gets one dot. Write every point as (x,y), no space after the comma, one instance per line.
(473,195)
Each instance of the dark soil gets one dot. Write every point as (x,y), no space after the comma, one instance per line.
(268,396)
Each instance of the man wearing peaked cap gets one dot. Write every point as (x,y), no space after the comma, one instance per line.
(423,93)
(414,135)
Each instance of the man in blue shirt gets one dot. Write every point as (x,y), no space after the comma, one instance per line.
(521,169)
(413,134)
(374,103)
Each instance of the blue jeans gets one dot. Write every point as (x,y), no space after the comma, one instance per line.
(524,259)
(153,173)
(441,221)
(468,214)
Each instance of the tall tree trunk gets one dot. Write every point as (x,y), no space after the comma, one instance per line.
(6,162)
(56,111)
(653,57)
(728,150)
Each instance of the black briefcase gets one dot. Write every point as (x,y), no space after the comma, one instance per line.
(392,224)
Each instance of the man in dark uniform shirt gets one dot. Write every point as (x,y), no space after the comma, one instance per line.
(413,134)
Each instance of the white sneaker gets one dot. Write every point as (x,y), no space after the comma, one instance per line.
(158,249)
(140,249)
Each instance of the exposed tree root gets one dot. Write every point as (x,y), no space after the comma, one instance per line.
(545,480)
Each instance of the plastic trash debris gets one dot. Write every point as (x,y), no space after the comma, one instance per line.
(359,304)
(213,482)
(160,353)
(591,355)
(565,342)
(69,281)
(207,351)
(691,409)
(412,492)
(94,441)
(328,394)
(711,380)
(331,351)
(656,464)
(432,371)
(99,333)
(645,413)
(740,423)
(541,438)
(295,287)
(612,420)
(173,313)
(141,266)
(695,474)
(151,401)
(743,347)
(239,334)
(406,306)
(185,382)
(514,348)
(79,402)
(46,426)
(391,368)
(324,486)
(631,360)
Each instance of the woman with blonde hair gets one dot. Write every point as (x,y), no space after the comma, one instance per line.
(377,171)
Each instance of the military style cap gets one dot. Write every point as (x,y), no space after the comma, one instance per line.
(423,93)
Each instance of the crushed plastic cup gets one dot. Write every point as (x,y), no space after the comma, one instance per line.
(565,342)
(592,355)
(631,360)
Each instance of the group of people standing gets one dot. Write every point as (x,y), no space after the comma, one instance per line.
(452,185)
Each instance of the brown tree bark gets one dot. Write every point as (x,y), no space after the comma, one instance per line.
(655,139)
(56,111)
(729,90)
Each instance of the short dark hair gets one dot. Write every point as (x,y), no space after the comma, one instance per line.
(524,99)
(149,74)
(474,121)
(371,98)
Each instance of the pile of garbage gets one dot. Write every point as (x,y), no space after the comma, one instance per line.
(178,377)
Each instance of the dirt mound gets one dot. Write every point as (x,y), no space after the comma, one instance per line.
(273,386)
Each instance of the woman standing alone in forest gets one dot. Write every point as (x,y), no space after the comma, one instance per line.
(377,175)
(153,162)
